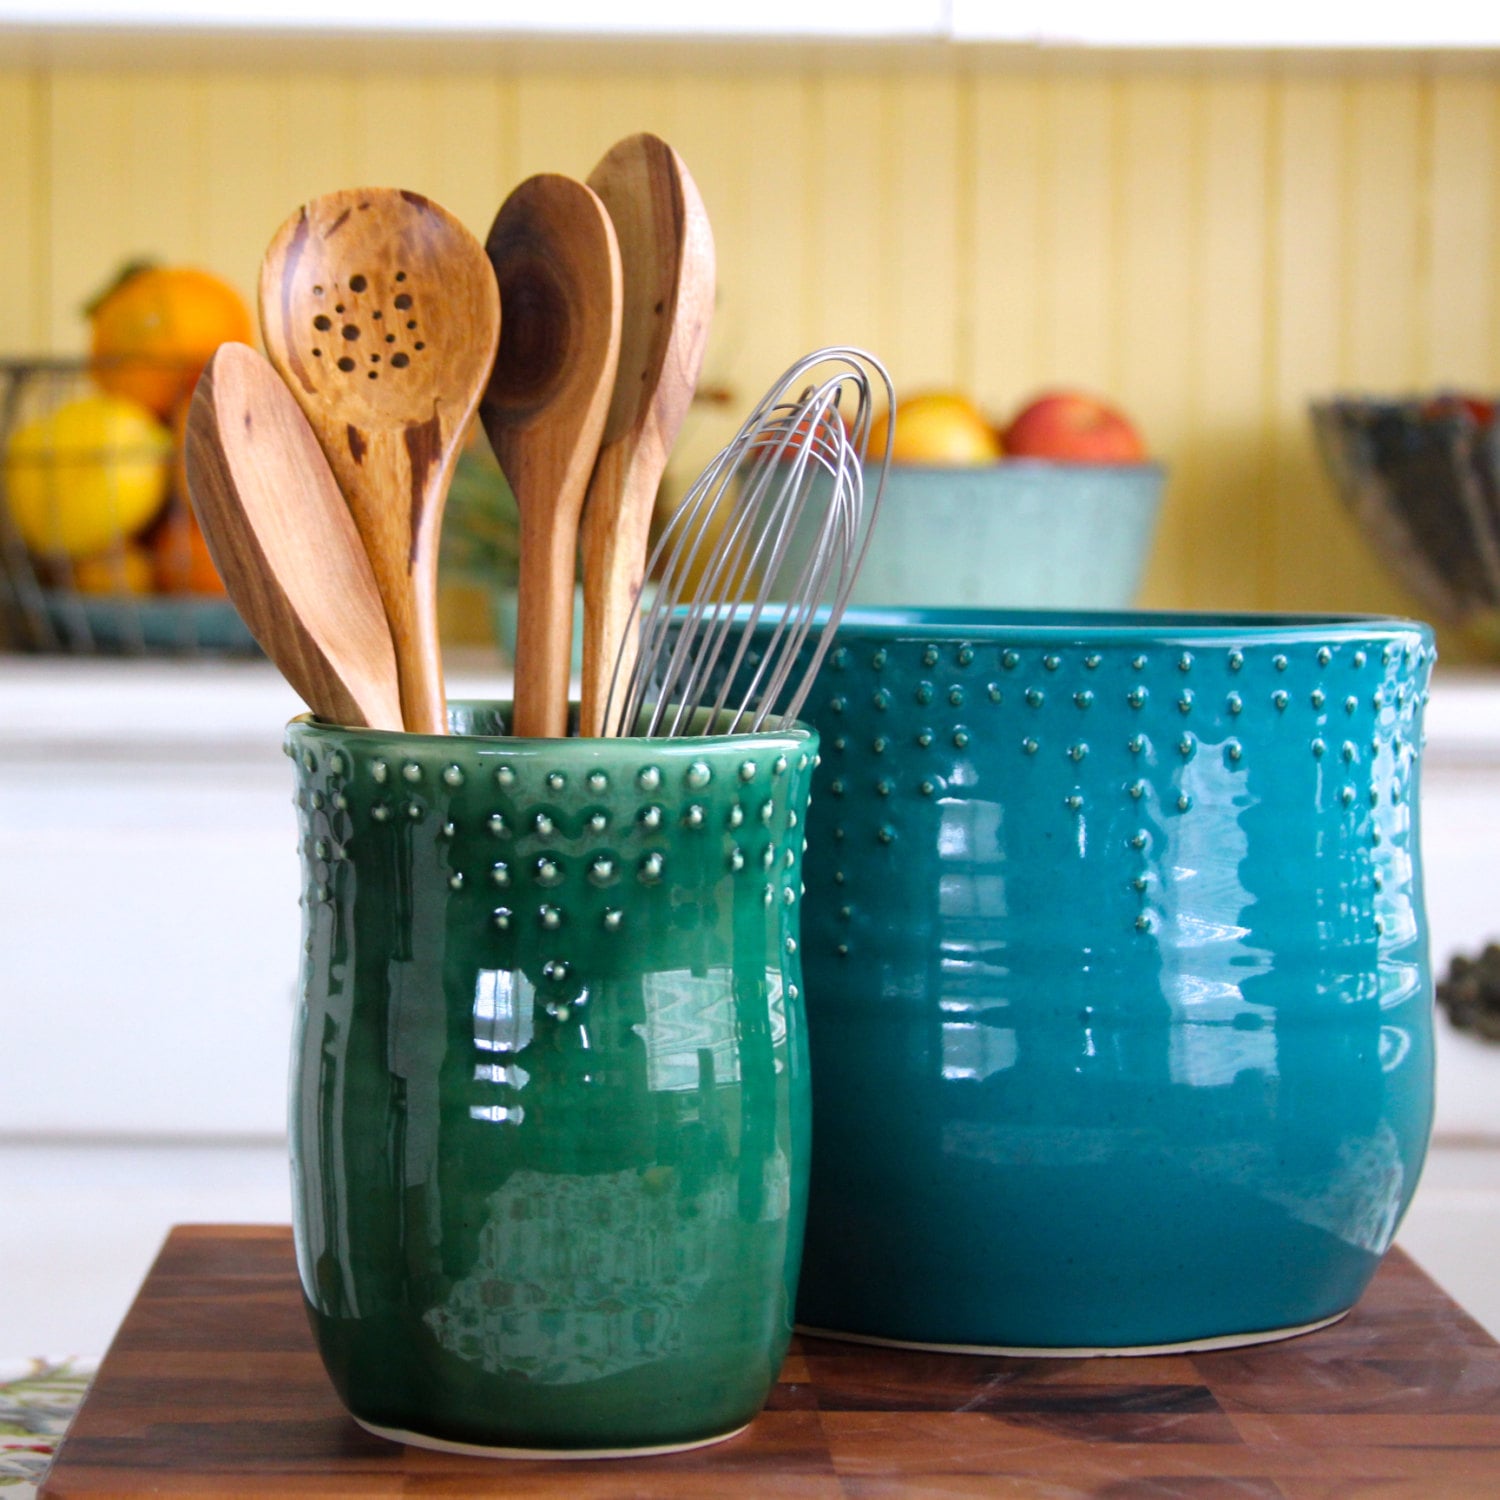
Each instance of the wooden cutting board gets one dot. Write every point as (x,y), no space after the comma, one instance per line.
(212,1389)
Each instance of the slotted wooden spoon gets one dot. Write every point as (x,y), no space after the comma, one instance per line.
(554,254)
(379,310)
(667,261)
(285,544)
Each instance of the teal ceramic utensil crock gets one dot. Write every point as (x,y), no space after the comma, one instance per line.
(549,1108)
(1117,979)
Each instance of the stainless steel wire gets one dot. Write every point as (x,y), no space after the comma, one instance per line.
(777,524)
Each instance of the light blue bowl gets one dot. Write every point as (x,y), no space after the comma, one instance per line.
(1022,533)
(1117,981)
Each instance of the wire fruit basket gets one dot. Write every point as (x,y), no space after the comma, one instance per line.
(99,550)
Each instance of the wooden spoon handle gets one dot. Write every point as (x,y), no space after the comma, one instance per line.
(614,541)
(402,543)
(544,631)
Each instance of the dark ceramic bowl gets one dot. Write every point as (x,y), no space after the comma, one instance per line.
(1117,980)
(1422,478)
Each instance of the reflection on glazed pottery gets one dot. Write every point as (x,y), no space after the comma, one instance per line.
(564,1306)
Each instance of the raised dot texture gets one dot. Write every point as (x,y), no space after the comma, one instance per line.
(648,778)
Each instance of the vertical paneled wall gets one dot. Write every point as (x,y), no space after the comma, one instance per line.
(1212,243)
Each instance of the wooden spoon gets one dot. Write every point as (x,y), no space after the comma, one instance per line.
(285,544)
(554,254)
(667,258)
(380,312)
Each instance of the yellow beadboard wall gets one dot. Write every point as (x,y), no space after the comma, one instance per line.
(1209,242)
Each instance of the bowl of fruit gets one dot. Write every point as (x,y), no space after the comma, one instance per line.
(1421,476)
(1054,508)
(99,547)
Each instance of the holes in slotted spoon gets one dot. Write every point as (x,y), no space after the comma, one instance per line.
(357,283)
(322,322)
(400,361)
(346,364)
(350,332)
(403,300)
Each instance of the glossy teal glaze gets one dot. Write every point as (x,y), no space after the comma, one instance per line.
(549,1093)
(1118,991)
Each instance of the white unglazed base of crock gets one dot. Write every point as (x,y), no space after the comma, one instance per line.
(1015,1351)
(483,1450)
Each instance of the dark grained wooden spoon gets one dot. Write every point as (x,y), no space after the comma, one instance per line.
(380,311)
(667,261)
(285,544)
(554,254)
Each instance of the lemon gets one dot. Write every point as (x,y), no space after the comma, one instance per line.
(87,475)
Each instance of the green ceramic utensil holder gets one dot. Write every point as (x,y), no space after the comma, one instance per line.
(549,1096)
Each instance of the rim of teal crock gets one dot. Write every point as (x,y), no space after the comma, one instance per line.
(1095,627)
(798,732)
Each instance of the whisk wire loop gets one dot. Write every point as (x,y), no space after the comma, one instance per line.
(774,529)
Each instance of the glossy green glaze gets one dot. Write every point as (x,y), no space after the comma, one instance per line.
(1118,995)
(549,1095)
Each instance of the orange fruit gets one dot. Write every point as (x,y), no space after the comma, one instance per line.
(936,427)
(126,569)
(155,329)
(181,557)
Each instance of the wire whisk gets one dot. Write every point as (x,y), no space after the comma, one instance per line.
(776,525)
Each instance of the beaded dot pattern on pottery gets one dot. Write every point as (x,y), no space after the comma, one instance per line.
(1114,941)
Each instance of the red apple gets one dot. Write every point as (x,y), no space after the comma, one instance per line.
(1452,404)
(1075,428)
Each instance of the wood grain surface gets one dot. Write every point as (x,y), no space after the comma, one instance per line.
(381,314)
(212,1388)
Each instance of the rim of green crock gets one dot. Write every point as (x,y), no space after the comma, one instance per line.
(798,733)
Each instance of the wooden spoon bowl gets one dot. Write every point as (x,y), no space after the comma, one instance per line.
(284,543)
(558,267)
(667,261)
(380,311)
